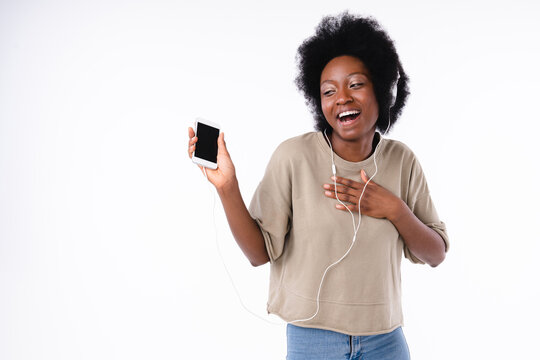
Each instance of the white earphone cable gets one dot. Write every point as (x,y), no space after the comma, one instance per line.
(355,227)
(223,260)
(355,231)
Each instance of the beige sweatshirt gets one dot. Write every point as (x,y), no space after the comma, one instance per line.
(304,233)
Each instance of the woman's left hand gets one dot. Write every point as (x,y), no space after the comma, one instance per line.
(376,202)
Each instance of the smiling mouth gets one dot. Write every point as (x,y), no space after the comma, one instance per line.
(348,117)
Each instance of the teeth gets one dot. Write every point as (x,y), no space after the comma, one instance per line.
(346,113)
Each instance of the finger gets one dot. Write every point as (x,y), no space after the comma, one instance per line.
(191,146)
(192,141)
(348,182)
(363,176)
(341,189)
(191,150)
(342,197)
(351,207)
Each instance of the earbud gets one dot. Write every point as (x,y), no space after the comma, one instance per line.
(393,95)
(393,91)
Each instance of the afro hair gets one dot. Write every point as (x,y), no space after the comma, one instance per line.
(363,38)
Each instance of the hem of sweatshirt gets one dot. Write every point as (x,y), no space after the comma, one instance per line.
(341,331)
(350,329)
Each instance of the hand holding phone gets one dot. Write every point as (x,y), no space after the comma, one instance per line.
(225,173)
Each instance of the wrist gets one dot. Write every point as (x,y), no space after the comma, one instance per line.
(227,187)
(399,210)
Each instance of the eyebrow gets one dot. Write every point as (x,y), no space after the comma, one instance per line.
(348,76)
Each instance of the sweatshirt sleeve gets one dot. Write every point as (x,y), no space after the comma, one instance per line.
(420,202)
(271,204)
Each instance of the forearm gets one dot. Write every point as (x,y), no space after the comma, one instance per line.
(425,243)
(244,228)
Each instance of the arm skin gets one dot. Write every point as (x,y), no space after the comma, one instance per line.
(425,243)
(244,228)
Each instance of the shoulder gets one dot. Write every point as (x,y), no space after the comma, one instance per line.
(299,142)
(396,147)
(296,146)
(398,151)
(288,155)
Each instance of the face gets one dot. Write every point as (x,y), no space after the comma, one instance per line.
(347,98)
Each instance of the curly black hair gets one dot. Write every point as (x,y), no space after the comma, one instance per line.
(363,38)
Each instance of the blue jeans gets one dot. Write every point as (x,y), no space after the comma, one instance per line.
(315,344)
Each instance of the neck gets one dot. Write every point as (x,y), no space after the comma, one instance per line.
(354,151)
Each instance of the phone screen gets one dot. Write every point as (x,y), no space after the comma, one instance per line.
(207,142)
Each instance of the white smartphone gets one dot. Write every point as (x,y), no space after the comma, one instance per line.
(206,148)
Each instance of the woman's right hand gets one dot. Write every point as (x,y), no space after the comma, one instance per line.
(225,174)
(245,230)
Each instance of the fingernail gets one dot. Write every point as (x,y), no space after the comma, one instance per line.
(326,186)
(327,193)
(333,177)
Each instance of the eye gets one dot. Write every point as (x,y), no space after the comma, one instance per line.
(357,85)
(328,92)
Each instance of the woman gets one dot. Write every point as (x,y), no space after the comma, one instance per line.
(299,217)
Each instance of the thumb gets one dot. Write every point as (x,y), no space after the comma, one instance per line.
(222,147)
(363,176)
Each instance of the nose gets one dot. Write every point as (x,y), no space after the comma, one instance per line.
(343,96)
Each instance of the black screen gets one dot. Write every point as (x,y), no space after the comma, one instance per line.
(206,147)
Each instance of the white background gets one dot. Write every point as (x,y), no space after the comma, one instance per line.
(107,246)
